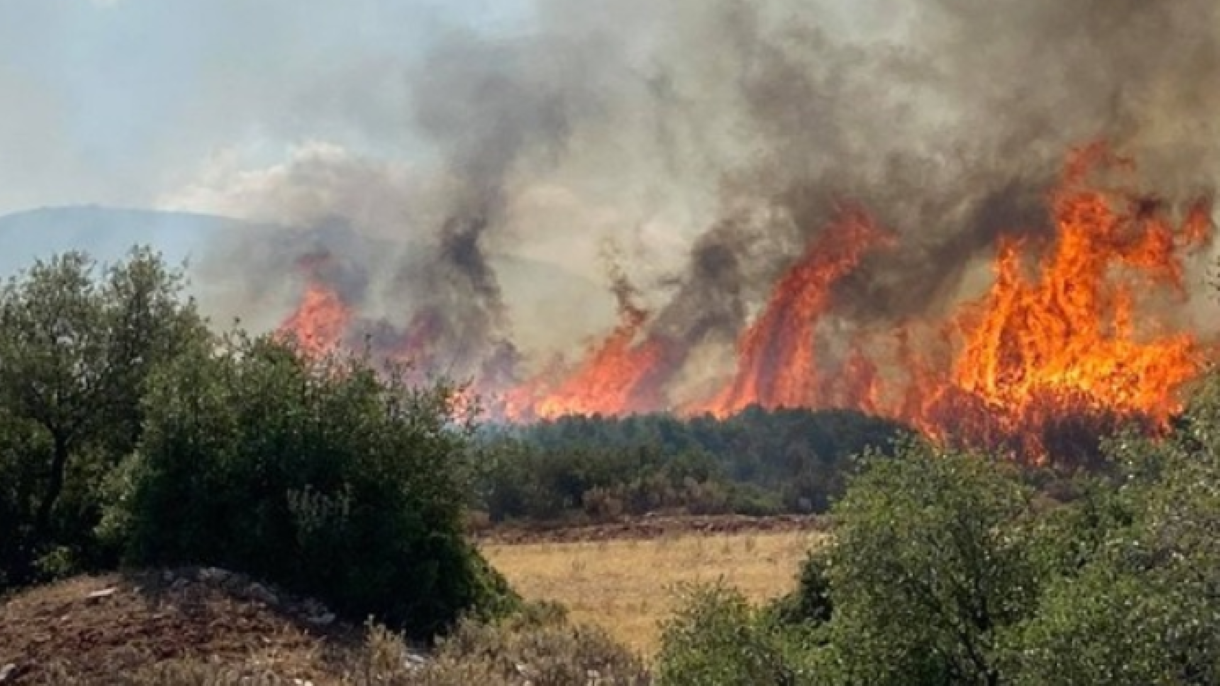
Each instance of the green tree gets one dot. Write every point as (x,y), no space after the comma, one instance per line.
(928,569)
(1139,601)
(715,637)
(336,479)
(77,341)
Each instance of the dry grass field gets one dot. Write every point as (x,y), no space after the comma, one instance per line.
(627,585)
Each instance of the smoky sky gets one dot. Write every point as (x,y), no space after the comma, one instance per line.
(713,139)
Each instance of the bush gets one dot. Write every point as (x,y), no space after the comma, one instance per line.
(331,479)
(811,602)
(514,652)
(716,637)
(928,568)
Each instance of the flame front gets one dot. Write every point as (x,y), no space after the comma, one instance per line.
(1080,325)
(1065,341)
(615,378)
(777,364)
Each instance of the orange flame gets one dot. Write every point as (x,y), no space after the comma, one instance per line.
(615,378)
(776,357)
(1066,341)
(321,320)
(1074,329)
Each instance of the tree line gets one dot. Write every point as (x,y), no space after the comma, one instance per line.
(758,462)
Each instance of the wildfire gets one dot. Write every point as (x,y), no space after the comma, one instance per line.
(615,378)
(321,321)
(1065,341)
(777,363)
(1072,334)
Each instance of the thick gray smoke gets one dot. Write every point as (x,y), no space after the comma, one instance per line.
(487,109)
(714,138)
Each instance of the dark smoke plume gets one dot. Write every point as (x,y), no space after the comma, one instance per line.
(736,128)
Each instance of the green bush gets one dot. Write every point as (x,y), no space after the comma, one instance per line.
(715,637)
(946,568)
(333,479)
(811,602)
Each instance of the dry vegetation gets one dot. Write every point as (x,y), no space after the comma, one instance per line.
(627,585)
(210,628)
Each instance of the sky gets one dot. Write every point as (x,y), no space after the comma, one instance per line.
(127,102)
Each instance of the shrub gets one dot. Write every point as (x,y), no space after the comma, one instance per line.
(515,652)
(927,569)
(715,637)
(811,602)
(330,478)
(77,343)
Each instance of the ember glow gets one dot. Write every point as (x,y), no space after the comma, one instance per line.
(1085,322)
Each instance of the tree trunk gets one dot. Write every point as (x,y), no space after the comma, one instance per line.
(55,486)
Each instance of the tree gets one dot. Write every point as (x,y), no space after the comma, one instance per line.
(928,569)
(1141,604)
(77,342)
(334,478)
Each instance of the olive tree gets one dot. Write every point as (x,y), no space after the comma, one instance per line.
(77,342)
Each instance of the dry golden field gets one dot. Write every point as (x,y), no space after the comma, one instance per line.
(627,585)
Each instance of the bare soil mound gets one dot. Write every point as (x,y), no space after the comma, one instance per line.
(107,629)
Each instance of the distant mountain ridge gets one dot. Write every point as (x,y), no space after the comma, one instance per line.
(231,258)
(109,233)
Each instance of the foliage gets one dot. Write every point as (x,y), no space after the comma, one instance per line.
(946,568)
(928,567)
(715,637)
(1142,608)
(334,479)
(757,462)
(77,343)
(811,602)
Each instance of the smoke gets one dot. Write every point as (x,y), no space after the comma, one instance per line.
(733,130)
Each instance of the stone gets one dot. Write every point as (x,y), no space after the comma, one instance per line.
(324,619)
(262,594)
(214,574)
(7,671)
(102,593)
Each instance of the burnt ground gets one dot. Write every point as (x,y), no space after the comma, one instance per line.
(92,629)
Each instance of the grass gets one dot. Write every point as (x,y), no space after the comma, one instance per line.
(627,586)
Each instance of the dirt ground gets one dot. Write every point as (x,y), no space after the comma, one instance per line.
(88,629)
